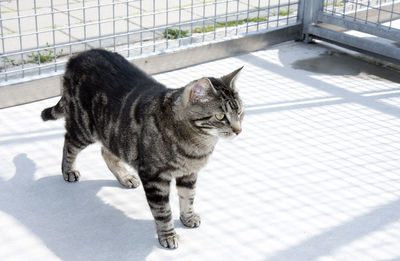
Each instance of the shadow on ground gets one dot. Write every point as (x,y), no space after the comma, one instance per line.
(69,217)
(341,235)
(336,63)
(329,63)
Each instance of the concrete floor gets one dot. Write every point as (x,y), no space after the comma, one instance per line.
(315,174)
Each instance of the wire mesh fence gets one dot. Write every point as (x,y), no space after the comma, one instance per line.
(368,26)
(379,12)
(38,36)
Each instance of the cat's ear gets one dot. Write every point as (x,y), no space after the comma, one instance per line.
(201,90)
(229,79)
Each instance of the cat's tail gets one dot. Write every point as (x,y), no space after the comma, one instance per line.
(55,112)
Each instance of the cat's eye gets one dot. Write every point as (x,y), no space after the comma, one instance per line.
(220,116)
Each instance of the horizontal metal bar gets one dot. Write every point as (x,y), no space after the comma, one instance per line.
(370,11)
(172,59)
(170,10)
(62,63)
(106,37)
(368,6)
(365,27)
(371,5)
(379,49)
(33,68)
(199,53)
(89,41)
(30,91)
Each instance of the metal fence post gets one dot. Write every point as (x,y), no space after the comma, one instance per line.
(311,8)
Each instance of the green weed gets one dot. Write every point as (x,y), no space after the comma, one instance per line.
(285,12)
(47,55)
(10,61)
(337,4)
(175,33)
(210,28)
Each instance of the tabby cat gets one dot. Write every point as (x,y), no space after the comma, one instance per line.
(162,133)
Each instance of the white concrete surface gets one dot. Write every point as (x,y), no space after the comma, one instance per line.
(314,175)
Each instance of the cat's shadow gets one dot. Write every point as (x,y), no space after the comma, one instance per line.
(71,220)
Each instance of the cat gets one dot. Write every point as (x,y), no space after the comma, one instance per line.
(162,133)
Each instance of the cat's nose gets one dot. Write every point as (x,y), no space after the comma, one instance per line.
(237,131)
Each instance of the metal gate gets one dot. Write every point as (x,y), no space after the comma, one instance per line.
(371,26)
(37,37)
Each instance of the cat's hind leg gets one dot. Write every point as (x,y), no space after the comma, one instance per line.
(70,151)
(119,170)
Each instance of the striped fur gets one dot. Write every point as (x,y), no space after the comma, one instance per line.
(162,133)
(53,113)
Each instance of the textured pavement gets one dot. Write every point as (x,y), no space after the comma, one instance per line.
(315,174)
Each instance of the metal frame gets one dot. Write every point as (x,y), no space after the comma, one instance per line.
(352,24)
(200,31)
(321,22)
(23,92)
(205,31)
(129,27)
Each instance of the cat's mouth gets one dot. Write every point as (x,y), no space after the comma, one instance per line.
(225,134)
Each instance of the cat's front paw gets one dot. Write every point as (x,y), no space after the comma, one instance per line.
(169,241)
(191,221)
(71,176)
(130,181)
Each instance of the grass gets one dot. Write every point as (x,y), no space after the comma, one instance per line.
(47,55)
(205,29)
(175,33)
(210,28)
(10,61)
(285,12)
(10,10)
(44,56)
(50,27)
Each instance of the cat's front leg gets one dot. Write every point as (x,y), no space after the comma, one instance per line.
(157,194)
(186,186)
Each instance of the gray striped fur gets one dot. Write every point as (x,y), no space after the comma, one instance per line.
(162,133)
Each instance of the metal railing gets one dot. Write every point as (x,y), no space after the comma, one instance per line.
(381,13)
(37,37)
(371,26)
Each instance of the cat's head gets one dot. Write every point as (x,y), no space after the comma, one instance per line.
(213,106)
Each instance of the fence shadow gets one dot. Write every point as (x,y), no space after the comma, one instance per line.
(71,220)
(345,233)
(336,63)
(342,235)
(344,94)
